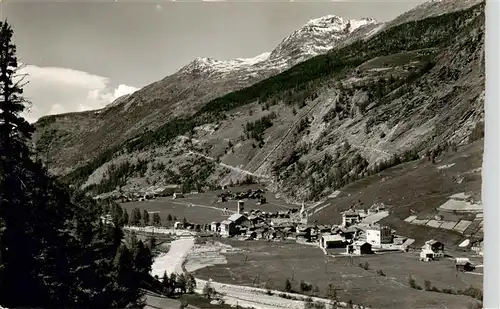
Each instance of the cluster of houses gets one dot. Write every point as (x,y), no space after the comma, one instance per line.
(257,194)
(434,250)
(352,236)
(355,237)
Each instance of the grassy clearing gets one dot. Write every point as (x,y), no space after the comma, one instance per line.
(269,265)
(211,212)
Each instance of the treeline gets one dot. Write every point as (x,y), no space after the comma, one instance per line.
(143,218)
(256,129)
(177,284)
(117,176)
(193,176)
(305,77)
(55,249)
(470,291)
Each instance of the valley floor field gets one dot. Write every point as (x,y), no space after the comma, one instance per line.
(202,208)
(269,264)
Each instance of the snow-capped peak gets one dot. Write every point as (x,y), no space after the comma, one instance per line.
(254,60)
(317,36)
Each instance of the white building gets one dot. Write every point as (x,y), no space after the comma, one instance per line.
(432,250)
(332,241)
(350,217)
(177,195)
(227,228)
(377,235)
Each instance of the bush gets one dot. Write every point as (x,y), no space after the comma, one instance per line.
(305,286)
(427,285)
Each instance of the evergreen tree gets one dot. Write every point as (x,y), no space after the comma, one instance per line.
(117,214)
(143,259)
(135,217)
(165,282)
(190,283)
(156,219)
(53,244)
(125,218)
(169,218)
(173,283)
(145,217)
(125,276)
(25,223)
(152,243)
(182,283)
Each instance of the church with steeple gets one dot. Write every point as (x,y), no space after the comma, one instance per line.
(303,215)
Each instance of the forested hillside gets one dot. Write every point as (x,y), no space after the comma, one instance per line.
(55,249)
(412,90)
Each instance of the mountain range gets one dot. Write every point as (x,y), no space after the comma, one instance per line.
(336,101)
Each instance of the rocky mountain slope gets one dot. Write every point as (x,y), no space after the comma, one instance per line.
(415,89)
(69,140)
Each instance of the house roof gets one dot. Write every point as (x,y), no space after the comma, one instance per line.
(361,243)
(226,222)
(235,217)
(433,242)
(350,212)
(462,261)
(332,238)
(377,227)
(427,251)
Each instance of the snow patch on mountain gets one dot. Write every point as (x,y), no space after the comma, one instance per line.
(315,37)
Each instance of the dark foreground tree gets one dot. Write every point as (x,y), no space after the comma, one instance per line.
(55,251)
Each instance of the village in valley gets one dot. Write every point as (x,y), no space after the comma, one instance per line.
(228,222)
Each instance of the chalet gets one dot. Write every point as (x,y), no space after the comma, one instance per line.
(214,227)
(432,250)
(478,248)
(359,248)
(332,241)
(303,233)
(238,219)
(399,240)
(346,232)
(177,195)
(261,232)
(227,228)
(324,228)
(463,264)
(378,235)
(435,246)
(255,219)
(251,235)
(178,225)
(350,217)
(281,222)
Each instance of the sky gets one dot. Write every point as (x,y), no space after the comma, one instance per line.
(83,54)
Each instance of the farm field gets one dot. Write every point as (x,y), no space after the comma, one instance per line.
(269,264)
(205,209)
